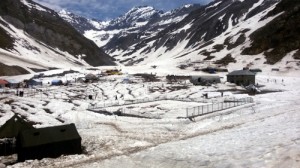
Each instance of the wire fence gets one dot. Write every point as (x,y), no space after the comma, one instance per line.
(213,107)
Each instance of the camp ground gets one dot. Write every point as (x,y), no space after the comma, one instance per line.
(152,115)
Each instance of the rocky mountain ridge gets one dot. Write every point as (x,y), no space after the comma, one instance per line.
(241,30)
(33,35)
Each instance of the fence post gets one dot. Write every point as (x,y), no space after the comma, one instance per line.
(194,111)
(187,113)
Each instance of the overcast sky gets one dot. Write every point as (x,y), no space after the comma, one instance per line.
(107,9)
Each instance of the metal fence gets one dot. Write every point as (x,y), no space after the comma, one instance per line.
(40,93)
(213,107)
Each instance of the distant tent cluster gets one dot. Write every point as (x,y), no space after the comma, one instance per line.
(32,143)
(205,80)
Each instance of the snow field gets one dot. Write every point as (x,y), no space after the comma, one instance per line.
(263,135)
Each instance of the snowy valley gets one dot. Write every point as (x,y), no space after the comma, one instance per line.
(133,101)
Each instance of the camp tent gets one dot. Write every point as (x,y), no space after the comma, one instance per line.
(91,77)
(34,82)
(13,83)
(9,131)
(13,127)
(204,80)
(3,83)
(56,82)
(48,142)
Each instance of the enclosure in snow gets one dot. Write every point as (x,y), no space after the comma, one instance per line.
(155,132)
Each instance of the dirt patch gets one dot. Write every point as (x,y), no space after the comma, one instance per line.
(6,70)
(30,105)
(175,88)
(9,101)
(25,109)
(60,120)
(48,111)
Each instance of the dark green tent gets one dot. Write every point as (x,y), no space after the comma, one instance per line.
(48,142)
(13,127)
(10,130)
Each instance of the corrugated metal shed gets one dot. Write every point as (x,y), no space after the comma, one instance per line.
(241,72)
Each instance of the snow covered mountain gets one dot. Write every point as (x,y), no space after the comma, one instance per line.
(249,32)
(137,24)
(34,37)
(253,33)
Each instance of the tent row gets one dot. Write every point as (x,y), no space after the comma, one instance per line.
(28,83)
(37,143)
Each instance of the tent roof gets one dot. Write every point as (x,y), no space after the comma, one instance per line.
(205,77)
(3,82)
(90,76)
(13,127)
(35,80)
(241,72)
(12,81)
(48,135)
(56,80)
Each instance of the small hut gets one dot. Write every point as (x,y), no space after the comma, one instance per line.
(90,77)
(241,77)
(48,142)
(205,80)
(34,82)
(13,83)
(3,83)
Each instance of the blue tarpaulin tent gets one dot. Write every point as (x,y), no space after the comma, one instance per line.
(56,82)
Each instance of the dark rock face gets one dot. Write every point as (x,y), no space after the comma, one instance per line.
(49,28)
(210,21)
(6,41)
(6,70)
(281,35)
(226,60)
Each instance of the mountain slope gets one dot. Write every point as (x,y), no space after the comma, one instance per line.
(280,36)
(135,25)
(236,30)
(38,33)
